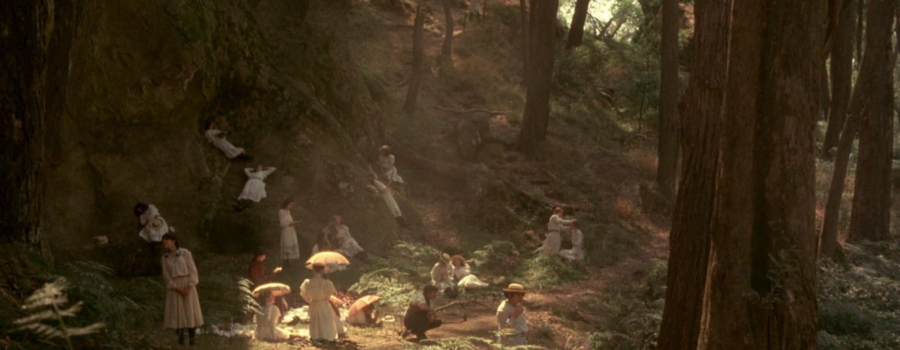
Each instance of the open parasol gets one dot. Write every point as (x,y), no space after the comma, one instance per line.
(361,303)
(277,289)
(328,259)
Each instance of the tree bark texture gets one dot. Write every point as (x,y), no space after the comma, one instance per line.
(749,197)
(667,166)
(540,74)
(28,30)
(868,97)
(415,79)
(841,76)
(871,213)
(447,47)
(526,40)
(576,31)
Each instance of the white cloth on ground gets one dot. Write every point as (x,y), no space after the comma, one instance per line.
(577,251)
(255,188)
(323,323)
(388,197)
(465,278)
(348,245)
(290,248)
(387,167)
(212,135)
(267,325)
(149,233)
(505,319)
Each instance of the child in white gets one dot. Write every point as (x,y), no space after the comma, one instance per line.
(511,314)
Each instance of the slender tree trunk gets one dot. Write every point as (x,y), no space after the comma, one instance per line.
(415,79)
(667,165)
(841,76)
(871,213)
(27,29)
(860,29)
(868,98)
(701,111)
(576,31)
(447,47)
(523,10)
(540,75)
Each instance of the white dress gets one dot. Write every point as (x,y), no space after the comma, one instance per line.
(349,247)
(465,278)
(149,233)
(553,240)
(290,248)
(505,319)
(388,197)
(387,166)
(222,144)
(577,251)
(440,276)
(323,323)
(255,188)
(267,325)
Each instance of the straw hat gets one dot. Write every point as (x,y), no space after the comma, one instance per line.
(458,257)
(445,257)
(157,223)
(514,288)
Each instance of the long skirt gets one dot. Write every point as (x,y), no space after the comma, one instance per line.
(392,204)
(182,312)
(290,248)
(551,243)
(254,190)
(322,324)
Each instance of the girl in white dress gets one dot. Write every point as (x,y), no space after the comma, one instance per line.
(181,278)
(463,274)
(341,240)
(153,226)
(387,195)
(386,161)
(217,138)
(267,323)
(290,248)
(577,251)
(323,324)
(554,226)
(255,188)
(441,272)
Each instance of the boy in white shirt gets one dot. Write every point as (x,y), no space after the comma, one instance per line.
(511,314)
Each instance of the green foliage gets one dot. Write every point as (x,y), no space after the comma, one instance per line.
(48,313)
(391,284)
(493,254)
(545,270)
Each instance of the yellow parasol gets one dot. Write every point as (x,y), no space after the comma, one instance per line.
(277,289)
(361,303)
(327,259)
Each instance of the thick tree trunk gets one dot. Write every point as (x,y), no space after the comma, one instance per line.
(540,74)
(28,27)
(523,10)
(447,47)
(868,99)
(841,76)
(871,213)
(576,31)
(415,79)
(701,112)
(667,165)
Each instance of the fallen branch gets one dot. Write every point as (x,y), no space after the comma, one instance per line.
(467,111)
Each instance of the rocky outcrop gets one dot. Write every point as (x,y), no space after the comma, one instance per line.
(137,82)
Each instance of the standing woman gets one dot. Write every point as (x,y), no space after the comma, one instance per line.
(290,248)
(554,226)
(387,195)
(317,291)
(181,278)
(386,161)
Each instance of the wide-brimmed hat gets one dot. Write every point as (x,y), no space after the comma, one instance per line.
(460,257)
(157,223)
(445,257)
(514,288)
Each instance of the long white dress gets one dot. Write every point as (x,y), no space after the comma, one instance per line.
(149,233)
(385,193)
(465,278)
(553,240)
(349,246)
(577,251)
(387,166)
(440,276)
(179,271)
(290,248)
(519,326)
(222,144)
(255,188)
(323,323)
(267,325)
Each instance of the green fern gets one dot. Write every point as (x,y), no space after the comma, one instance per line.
(390,285)
(48,305)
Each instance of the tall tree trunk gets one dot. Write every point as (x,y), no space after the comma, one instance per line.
(667,165)
(28,26)
(540,74)
(701,111)
(871,213)
(860,29)
(447,47)
(526,39)
(415,79)
(841,76)
(576,31)
(868,98)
